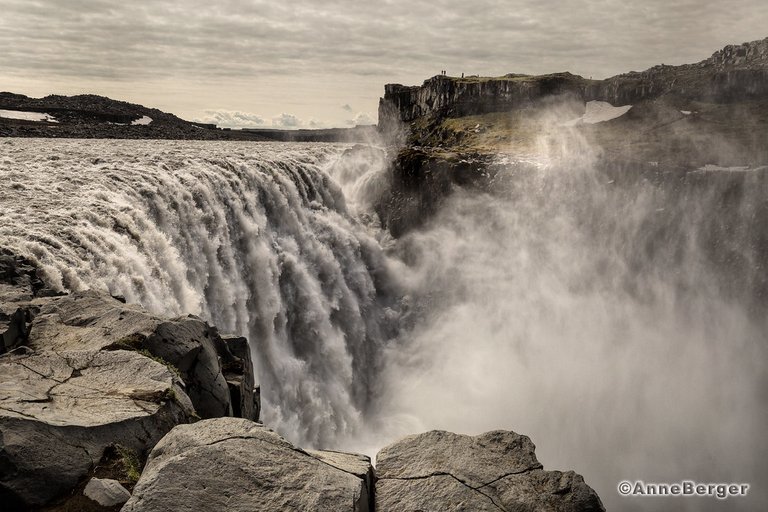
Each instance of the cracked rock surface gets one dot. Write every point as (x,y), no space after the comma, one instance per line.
(59,411)
(495,471)
(232,464)
(98,321)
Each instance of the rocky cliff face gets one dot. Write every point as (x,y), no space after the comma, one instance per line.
(735,72)
(421,179)
(456,97)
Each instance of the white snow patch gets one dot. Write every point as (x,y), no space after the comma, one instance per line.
(143,121)
(686,112)
(599,112)
(27,116)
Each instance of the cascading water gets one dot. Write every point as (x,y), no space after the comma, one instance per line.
(616,317)
(254,238)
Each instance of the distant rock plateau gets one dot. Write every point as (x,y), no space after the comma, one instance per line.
(88,116)
(665,122)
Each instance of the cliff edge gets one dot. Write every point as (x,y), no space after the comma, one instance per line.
(664,122)
(735,73)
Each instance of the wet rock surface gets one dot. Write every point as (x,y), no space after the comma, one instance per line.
(233,464)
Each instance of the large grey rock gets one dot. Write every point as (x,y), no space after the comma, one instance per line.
(495,471)
(106,492)
(59,411)
(96,321)
(232,464)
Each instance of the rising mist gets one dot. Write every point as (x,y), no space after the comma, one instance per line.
(616,320)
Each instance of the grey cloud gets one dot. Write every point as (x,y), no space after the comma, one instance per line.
(241,38)
(232,119)
(345,41)
(360,119)
(286,121)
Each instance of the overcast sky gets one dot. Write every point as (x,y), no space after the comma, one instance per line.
(301,63)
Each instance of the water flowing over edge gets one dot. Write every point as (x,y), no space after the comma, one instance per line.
(257,240)
(618,321)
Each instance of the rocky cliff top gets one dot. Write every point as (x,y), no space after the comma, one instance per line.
(667,120)
(753,54)
(736,72)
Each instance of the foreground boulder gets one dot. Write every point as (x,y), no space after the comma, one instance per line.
(60,411)
(232,464)
(217,372)
(495,471)
(97,321)
(106,492)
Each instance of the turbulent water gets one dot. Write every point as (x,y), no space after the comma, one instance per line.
(255,238)
(619,322)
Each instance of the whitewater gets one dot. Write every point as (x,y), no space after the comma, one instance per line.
(620,323)
(255,239)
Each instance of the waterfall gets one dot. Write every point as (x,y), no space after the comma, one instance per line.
(255,238)
(615,315)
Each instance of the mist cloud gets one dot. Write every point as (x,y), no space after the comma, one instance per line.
(554,308)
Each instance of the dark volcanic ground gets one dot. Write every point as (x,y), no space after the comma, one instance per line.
(89,116)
